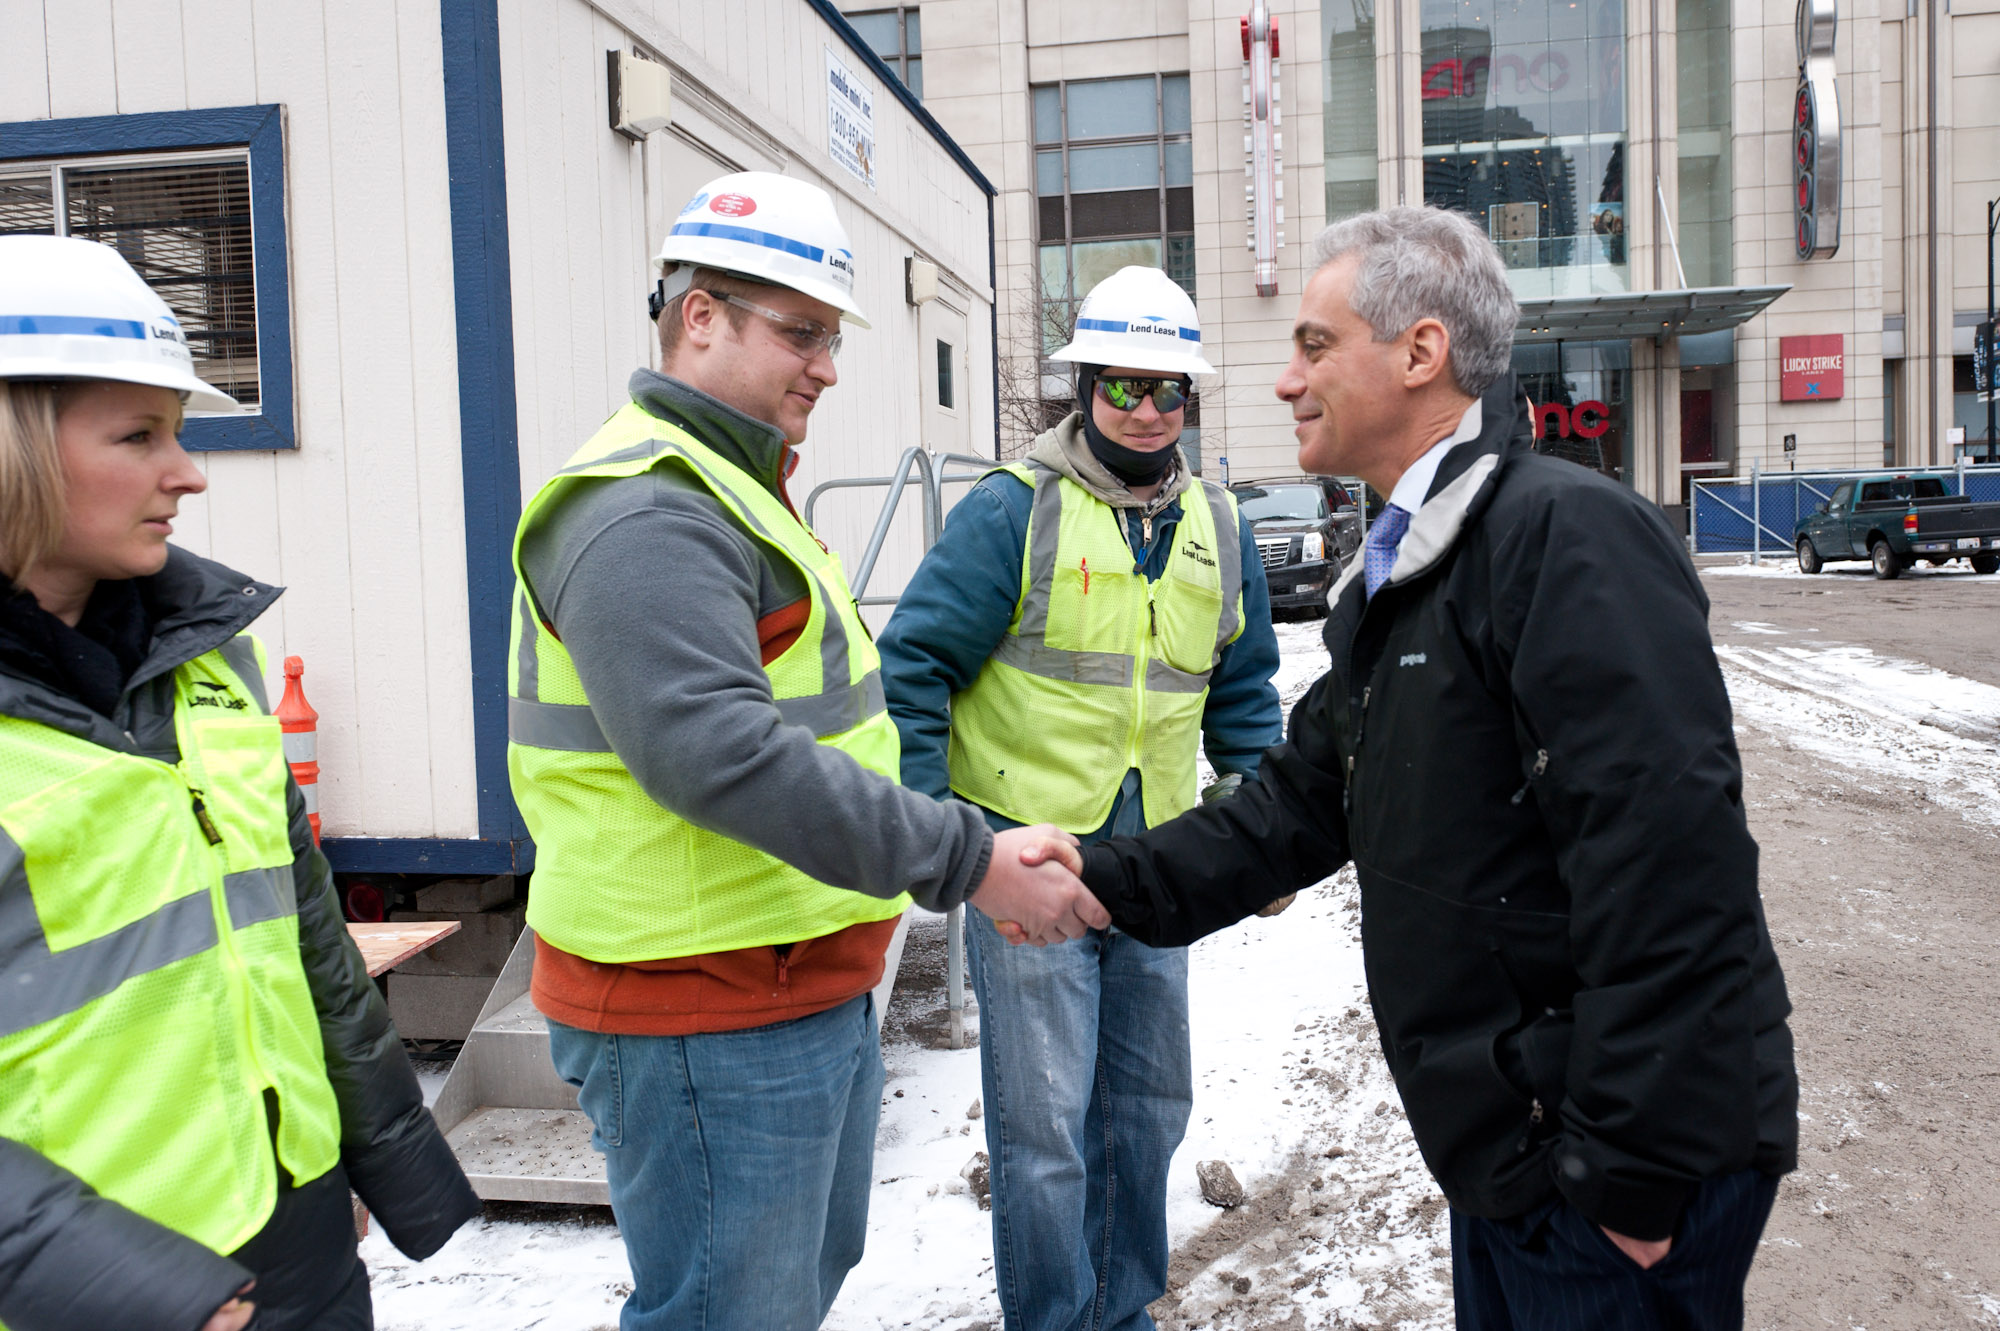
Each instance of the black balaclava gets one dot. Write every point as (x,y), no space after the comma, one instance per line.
(1127,464)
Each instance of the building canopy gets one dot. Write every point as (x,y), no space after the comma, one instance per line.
(1632,314)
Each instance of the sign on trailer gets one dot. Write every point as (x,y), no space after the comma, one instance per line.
(850,120)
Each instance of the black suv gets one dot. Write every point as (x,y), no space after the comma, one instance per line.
(1306,527)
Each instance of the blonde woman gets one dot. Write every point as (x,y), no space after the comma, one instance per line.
(194,1065)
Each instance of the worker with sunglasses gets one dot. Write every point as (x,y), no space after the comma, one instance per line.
(1091,616)
(698,744)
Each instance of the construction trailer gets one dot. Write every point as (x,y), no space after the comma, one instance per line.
(416,235)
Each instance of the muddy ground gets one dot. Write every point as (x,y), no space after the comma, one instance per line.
(1886,914)
(1885,908)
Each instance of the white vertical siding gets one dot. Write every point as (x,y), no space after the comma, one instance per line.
(588,209)
(364,522)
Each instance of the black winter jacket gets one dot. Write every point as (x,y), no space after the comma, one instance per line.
(1525,746)
(73,1261)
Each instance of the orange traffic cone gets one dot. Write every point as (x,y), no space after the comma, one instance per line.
(300,723)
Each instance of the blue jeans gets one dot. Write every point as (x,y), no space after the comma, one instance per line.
(1083,1054)
(1553,1270)
(739,1163)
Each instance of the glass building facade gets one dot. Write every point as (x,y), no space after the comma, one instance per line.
(1524,120)
(1524,130)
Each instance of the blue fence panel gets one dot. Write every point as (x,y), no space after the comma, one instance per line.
(1723,509)
(1721,519)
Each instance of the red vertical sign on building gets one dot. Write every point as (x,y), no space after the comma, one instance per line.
(1812,369)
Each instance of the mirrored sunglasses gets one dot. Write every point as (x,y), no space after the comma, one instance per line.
(1124,394)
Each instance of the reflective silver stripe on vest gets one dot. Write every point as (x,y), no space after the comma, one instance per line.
(1037,658)
(37,985)
(547,725)
(1044,534)
(1163,678)
(242,658)
(1027,647)
(257,895)
(630,453)
(527,665)
(833,658)
(1229,566)
(839,707)
(841,710)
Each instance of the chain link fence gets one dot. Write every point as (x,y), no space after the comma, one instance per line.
(1759,514)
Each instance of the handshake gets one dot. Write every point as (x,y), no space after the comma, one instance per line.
(1031,891)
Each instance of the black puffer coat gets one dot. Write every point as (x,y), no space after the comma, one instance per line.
(71,1259)
(1525,747)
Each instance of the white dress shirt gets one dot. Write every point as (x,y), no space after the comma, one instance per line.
(1416,482)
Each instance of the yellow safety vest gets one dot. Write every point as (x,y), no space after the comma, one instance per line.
(149,958)
(618,878)
(1101,670)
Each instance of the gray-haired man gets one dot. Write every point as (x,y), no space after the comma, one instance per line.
(1524,746)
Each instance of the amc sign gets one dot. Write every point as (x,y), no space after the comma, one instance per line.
(1590,420)
(1812,369)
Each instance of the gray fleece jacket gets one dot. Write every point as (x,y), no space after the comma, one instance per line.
(657,590)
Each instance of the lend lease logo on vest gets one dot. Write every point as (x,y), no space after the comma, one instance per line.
(1812,369)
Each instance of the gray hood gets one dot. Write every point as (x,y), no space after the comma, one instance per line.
(1065,450)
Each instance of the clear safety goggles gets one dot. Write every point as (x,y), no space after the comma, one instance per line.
(806,337)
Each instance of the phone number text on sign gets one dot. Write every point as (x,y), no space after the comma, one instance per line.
(850,120)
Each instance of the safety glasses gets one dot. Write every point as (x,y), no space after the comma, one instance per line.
(1124,393)
(806,337)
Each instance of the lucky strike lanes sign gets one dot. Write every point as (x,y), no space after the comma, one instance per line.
(1812,369)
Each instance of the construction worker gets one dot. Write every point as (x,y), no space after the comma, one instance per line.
(194,1065)
(1089,616)
(698,743)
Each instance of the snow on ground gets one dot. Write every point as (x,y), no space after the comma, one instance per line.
(1898,722)
(1343,1226)
(1778,563)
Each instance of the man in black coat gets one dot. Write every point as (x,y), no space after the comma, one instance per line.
(1524,745)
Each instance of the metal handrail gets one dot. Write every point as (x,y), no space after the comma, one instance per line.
(931,465)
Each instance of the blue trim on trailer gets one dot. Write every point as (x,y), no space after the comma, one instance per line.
(428,855)
(261,129)
(877,66)
(489,437)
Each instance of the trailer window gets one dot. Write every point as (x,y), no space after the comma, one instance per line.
(194,201)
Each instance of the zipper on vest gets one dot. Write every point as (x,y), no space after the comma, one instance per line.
(201,816)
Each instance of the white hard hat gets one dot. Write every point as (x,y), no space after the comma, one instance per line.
(1138,318)
(768,228)
(74,309)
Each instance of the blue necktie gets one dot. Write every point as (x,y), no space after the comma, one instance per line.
(1379,555)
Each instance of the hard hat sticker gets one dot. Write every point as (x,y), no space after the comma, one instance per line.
(842,263)
(696,202)
(733,205)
